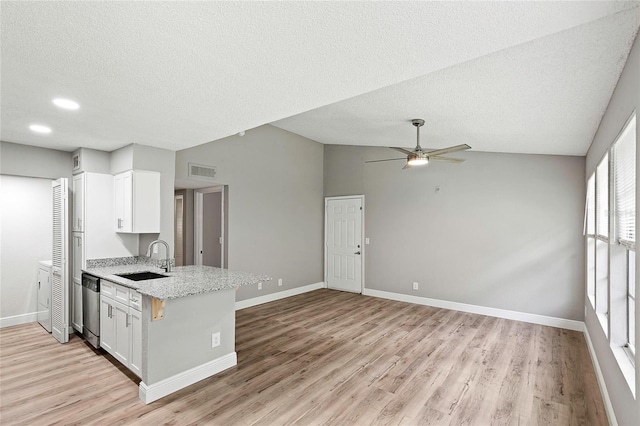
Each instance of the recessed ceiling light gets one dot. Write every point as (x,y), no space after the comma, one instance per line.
(38,128)
(66,103)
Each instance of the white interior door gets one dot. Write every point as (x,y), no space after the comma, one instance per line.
(343,243)
(60,265)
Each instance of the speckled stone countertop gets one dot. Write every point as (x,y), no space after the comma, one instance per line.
(182,281)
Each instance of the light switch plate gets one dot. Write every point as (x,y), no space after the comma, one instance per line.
(366,240)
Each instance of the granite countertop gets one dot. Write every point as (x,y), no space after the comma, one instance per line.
(182,281)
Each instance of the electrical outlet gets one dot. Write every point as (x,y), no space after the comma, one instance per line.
(415,285)
(215,340)
(155,249)
(366,240)
(279,282)
(259,286)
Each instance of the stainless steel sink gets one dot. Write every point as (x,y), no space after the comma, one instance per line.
(141,276)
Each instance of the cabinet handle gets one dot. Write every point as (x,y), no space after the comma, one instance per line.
(110,313)
(126,323)
(38,284)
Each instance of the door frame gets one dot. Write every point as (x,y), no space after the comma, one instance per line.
(197,222)
(182,244)
(362,237)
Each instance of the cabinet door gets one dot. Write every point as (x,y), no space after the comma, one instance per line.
(78,203)
(107,325)
(135,360)
(76,316)
(123,184)
(78,258)
(122,346)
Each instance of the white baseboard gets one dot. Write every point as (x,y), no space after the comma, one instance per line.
(243,304)
(482,310)
(603,387)
(155,391)
(18,319)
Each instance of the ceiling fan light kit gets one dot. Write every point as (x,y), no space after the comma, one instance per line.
(420,157)
(417,161)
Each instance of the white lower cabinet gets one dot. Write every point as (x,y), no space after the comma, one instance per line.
(121,325)
(122,345)
(107,324)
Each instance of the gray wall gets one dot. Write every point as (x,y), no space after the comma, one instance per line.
(182,340)
(142,157)
(93,160)
(33,161)
(163,161)
(502,231)
(26,221)
(625,99)
(275,204)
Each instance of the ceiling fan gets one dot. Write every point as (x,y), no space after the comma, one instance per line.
(420,156)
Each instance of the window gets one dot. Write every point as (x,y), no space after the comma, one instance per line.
(624,207)
(631,304)
(590,232)
(602,199)
(610,230)
(602,242)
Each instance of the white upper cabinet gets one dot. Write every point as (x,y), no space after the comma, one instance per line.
(137,202)
(78,203)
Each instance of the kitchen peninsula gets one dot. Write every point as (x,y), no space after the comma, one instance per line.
(187,320)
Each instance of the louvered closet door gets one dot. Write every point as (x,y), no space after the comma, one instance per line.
(60,266)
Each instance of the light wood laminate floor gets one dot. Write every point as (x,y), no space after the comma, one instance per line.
(324,357)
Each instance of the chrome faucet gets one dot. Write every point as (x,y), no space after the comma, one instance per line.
(167,268)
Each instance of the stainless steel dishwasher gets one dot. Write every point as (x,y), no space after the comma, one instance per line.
(91,309)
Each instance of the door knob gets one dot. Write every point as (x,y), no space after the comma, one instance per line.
(357,252)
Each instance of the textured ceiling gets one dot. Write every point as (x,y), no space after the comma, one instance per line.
(179,74)
(546,96)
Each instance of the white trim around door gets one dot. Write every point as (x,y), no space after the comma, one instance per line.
(359,245)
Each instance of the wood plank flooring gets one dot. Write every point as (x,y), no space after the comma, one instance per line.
(324,357)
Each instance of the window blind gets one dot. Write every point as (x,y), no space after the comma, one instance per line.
(624,168)
(602,198)
(591,205)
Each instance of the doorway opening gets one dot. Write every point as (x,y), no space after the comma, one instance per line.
(210,227)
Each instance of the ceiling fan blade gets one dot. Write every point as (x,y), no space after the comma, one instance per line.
(402,150)
(388,159)
(456,148)
(446,159)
